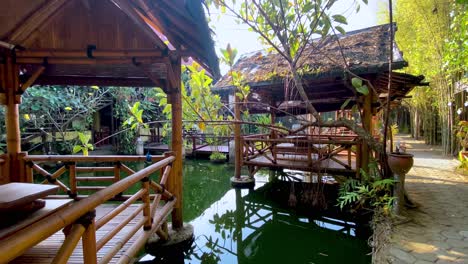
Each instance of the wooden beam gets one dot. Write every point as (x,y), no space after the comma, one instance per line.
(31,79)
(99,81)
(75,61)
(37,19)
(128,9)
(53,53)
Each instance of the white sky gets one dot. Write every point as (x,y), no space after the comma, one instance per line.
(228,31)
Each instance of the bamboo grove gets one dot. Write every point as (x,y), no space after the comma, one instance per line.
(433,35)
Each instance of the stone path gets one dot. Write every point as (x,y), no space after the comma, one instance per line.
(438,232)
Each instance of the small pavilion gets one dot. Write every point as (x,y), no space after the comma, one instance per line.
(328,68)
(105,43)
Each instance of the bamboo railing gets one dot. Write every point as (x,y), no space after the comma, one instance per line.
(77,183)
(299,150)
(78,219)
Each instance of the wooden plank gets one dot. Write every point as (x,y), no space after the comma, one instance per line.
(16,194)
(50,207)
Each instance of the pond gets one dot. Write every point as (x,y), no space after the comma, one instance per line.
(249,226)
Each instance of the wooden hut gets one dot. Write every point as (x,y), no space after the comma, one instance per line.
(328,67)
(104,43)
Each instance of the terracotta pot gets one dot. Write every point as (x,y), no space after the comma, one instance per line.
(400,163)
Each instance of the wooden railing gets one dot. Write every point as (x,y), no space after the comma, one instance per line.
(199,141)
(310,152)
(82,178)
(78,221)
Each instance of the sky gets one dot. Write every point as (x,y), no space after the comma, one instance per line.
(227,30)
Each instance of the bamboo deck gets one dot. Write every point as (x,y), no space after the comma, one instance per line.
(299,162)
(45,251)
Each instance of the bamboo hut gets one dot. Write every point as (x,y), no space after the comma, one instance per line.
(328,68)
(104,43)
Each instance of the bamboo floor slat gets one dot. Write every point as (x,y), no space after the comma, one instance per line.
(45,251)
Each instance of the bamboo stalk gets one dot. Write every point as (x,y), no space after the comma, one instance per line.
(14,246)
(166,174)
(117,171)
(90,188)
(147,206)
(59,172)
(159,188)
(139,243)
(106,218)
(94,169)
(109,235)
(155,204)
(39,169)
(69,245)
(72,176)
(120,244)
(126,169)
(29,173)
(62,186)
(99,178)
(89,244)
(74,158)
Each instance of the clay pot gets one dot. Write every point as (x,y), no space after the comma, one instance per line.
(400,163)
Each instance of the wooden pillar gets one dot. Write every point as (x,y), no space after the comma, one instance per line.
(237,138)
(10,98)
(367,125)
(175,181)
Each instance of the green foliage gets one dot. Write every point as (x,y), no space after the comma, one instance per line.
(135,120)
(433,36)
(369,193)
(462,134)
(134,107)
(217,156)
(199,104)
(84,146)
(359,86)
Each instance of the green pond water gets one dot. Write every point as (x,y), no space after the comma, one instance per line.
(248,226)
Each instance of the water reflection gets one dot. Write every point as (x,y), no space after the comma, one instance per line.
(251,226)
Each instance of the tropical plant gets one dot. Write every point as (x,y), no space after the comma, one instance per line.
(462,134)
(366,195)
(84,144)
(216,155)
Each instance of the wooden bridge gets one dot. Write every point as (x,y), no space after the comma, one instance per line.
(109,233)
(199,144)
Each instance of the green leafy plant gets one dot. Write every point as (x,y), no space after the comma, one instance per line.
(370,193)
(84,145)
(462,134)
(217,156)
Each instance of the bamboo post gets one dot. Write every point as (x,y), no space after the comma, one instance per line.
(117,171)
(175,181)
(89,243)
(72,239)
(147,202)
(237,138)
(10,83)
(72,177)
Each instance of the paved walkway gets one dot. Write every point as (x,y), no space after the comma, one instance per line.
(438,232)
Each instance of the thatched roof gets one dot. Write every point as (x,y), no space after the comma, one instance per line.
(135,32)
(326,82)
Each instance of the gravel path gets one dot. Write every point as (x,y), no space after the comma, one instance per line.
(438,231)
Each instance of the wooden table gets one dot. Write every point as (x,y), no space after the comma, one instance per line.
(17,194)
